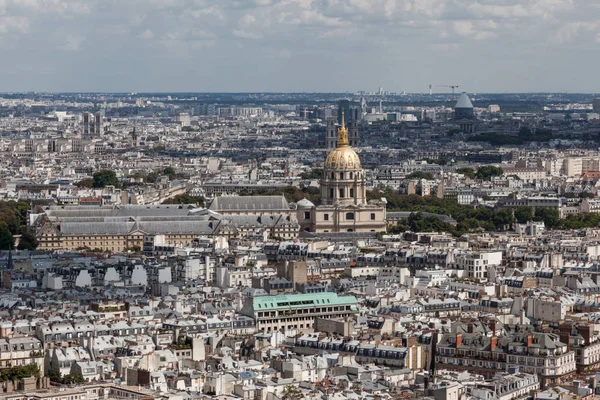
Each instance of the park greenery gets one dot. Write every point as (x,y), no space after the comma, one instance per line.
(19,372)
(485,173)
(185,199)
(13,221)
(466,171)
(420,175)
(470,219)
(69,379)
(100,179)
(291,193)
(315,173)
(27,241)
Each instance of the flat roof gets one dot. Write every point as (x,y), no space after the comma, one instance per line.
(282,302)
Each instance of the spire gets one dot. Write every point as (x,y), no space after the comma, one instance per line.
(342,133)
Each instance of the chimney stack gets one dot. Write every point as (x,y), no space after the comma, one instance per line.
(493,342)
(458,340)
(470,327)
(586,332)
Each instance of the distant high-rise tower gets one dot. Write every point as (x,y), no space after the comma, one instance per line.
(87,117)
(330,134)
(596,104)
(353,133)
(98,124)
(352,111)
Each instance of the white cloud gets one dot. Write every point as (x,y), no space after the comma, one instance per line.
(13,25)
(147,34)
(72,42)
(301,31)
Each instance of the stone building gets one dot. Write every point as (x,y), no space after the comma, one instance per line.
(344,206)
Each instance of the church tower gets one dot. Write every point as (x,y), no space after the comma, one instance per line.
(344,207)
(343,180)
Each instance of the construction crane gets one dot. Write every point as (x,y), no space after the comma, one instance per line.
(451,87)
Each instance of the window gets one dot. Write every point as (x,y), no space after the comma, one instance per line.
(331,193)
(351,175)
(372,216)
(326,217)
(351,192)
(350,215)
(306,214)
(341,175)
(350,230)
(332,175)
(341,193)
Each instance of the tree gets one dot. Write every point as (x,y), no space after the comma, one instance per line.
(85,183)
(421,175)
(524,214)
(28,241)
(291,392)
(503,217)
(525,132)
(315,173)
(488,171)
(71,379)
(105,178)
(19,372)
(466,171)
(185,199)
(7,241)
(68,379)
(169,171)
(550,216)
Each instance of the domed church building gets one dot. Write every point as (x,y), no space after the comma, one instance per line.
(344,206)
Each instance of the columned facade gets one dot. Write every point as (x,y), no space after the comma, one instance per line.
(344,206)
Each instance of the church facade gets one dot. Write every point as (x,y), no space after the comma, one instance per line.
(344,206)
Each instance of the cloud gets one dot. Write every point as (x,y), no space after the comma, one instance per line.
(13,25)
(72,42)
(146,34)
(572,30)
(303,38)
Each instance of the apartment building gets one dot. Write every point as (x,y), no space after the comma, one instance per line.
(296,311)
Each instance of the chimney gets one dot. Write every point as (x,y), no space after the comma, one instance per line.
(458,340)
(529,339)
(470,327)
(493,327)
(586,332)
(493,342)
(565,338)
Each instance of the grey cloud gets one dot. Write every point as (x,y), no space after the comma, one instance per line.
(312,45)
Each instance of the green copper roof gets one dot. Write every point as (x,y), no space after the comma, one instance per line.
(283,302)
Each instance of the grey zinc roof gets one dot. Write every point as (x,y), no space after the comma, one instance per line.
(180,227)
(118,211)
(82,228)
(254,203)
(464,101)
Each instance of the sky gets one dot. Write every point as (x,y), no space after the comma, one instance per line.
(299,45)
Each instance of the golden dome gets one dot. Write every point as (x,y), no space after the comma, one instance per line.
(343,158)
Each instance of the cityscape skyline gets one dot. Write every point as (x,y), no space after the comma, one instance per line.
(495,46)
